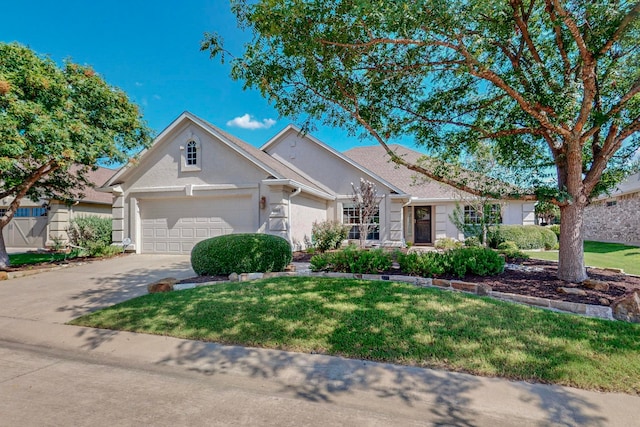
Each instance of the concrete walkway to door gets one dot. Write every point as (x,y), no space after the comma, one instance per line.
(55,374)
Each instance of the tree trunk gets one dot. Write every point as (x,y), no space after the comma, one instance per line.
(571,257)
(4,256)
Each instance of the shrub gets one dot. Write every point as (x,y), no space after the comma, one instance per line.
(91,233)
(447,243)
(549,238)
(424,264)
(353,260)
(240,253)
(556,229)
(328,235)
(458,262)
(524,236)
(472,242)
(510,250)
(479,261)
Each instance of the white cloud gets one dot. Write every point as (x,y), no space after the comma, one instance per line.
(248,122)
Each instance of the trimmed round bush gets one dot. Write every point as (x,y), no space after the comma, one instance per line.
(240,253)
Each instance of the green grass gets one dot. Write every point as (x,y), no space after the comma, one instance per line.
(606,255)
(17,260)
(396,323)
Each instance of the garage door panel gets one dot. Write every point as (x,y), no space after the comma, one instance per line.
(176,225)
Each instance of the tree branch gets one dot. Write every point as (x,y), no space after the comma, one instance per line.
(23,189)
(628,19)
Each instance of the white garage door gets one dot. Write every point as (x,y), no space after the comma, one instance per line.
(176,225)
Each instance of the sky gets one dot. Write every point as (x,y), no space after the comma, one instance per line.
(151,50)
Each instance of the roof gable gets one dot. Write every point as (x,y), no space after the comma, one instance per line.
(261,160)
(273,145)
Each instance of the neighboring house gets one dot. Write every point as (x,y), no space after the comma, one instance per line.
(615,217)
(197,181)
(35,224)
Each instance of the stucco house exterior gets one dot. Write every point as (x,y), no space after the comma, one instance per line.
(36,223)
(615,217)
(197,181)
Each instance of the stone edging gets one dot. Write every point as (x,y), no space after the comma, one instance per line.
(589,310)
(8,275)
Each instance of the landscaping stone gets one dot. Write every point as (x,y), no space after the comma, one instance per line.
(162,285)
(571,291)
(627,308)
(464,286)
(245,277)
(4,275)
(571,307)
(604,301)
(441,283)
(423,281)
(233,277)
(484,289)
(599,311)
(596,285)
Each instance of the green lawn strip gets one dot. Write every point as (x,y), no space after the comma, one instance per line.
(17,260)
(605,255)
(396,323)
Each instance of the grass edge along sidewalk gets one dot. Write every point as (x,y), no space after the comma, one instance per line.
(395,323)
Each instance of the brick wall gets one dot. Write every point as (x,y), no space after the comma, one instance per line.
(616,219)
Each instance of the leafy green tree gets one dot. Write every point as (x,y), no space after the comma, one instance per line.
(548,84)
(55,125)
(547,212)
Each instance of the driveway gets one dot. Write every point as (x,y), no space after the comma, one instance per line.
(54,374)
(61,295)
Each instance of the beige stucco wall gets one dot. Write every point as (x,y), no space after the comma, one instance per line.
(619,222)
(221,172)
(517,212)
(336,174)
(60,216)
(305,210)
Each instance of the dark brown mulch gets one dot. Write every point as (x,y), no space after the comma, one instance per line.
(539,281)
(545,284)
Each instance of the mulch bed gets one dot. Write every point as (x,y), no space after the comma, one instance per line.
(539,281)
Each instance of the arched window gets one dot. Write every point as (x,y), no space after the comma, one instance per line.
(192,153)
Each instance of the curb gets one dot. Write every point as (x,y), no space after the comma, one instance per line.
(480,289)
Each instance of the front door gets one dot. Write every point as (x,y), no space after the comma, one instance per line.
(423,224)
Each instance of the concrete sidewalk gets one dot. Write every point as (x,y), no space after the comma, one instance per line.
(259,386)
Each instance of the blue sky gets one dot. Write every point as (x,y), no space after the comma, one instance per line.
(150,49)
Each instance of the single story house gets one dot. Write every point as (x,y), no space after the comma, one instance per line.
(615,217)
(36,223)
(197,181)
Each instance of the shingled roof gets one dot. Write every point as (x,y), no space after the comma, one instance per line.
(376,159)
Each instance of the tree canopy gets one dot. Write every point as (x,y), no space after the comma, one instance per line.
(546,84)
(56,123)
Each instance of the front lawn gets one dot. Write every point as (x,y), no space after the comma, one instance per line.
(396,323)
(30,258)
(604,255)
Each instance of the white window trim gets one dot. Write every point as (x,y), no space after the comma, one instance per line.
(371,230)
(184,167)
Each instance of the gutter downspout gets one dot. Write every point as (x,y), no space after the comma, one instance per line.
(291,196)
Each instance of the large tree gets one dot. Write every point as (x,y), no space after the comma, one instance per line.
(548,84)
(56,123)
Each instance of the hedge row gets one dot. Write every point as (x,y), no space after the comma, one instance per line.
(457,262)
(524,236)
